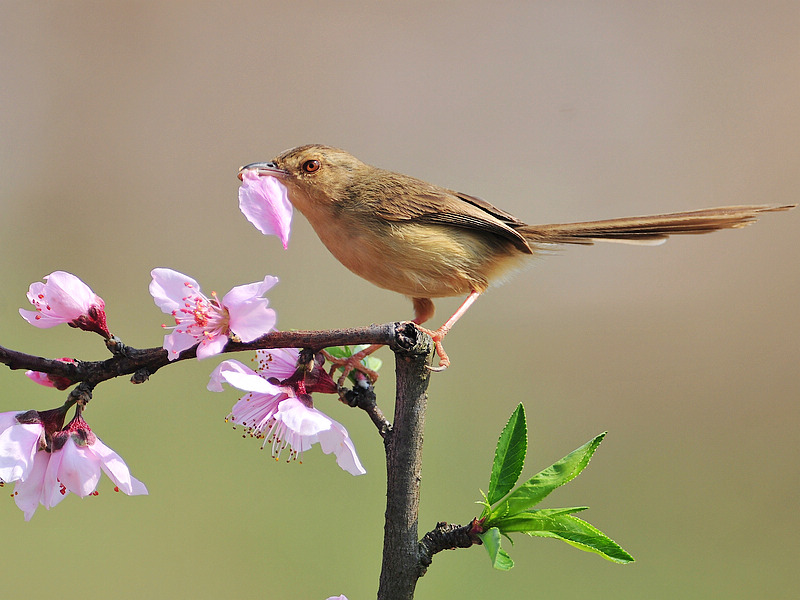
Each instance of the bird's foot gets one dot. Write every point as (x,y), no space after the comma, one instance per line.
(353,363)
(437,336)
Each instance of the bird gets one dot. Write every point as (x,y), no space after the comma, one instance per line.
(426,241)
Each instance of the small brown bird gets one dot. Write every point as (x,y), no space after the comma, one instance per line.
(426,241)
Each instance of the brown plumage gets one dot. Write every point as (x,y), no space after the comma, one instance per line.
(426,241)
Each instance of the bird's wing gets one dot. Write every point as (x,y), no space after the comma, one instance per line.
(432,204)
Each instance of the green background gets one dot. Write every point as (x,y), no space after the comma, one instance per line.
(122,126)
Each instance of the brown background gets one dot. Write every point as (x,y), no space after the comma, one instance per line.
(121,129)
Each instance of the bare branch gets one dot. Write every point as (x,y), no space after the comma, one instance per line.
(446,537)
(144,362)
(400,568)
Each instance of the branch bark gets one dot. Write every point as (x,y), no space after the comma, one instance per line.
(400,569)
(129,361)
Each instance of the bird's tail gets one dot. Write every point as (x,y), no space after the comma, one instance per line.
(649,230)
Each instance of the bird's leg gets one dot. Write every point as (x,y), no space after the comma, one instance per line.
(423,310)
(438,334)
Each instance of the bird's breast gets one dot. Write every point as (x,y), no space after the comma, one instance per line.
(420,260)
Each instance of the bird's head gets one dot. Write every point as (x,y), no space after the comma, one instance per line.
(313,174)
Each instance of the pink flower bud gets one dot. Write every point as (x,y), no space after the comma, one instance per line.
(65,299)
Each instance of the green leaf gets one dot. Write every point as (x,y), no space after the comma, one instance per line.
(572,530)
(340,351)
(549,512)
(491,541)
(533,491)
(509,456)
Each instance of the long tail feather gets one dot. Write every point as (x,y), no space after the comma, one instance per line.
(653,229)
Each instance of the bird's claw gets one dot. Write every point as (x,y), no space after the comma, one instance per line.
(353,363)
(437,336)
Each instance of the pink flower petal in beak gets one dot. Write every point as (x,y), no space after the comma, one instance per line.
(265,203)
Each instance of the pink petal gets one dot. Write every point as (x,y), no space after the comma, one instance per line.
(9,419)
(69,293)
(249,317)
(265,203)
(278,362)
(52,493)
(79,469)
(48,380)
(62,299)
(251,320)
(312,426)
(338,441)
(219,374)
(240,376)
(301,419)
(29,493)
(18,446)
(40,378)
(176,342)
(211,346)
(41,320)
(249,291)
(169,287)
(256,410)
(116,469)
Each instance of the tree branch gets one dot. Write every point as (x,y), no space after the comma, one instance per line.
(401,568)
(446,537)
(144,362)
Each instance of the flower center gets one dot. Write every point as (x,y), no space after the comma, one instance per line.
(201,316)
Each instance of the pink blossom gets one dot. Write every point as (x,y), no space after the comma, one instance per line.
(19,441)
(30,493)
(280,415)
(342,597)
(50,380)
(298,425)
(265,203)
(75,464)
(65,299)
(242,312)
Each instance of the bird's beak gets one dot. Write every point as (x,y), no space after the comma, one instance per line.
(263,169)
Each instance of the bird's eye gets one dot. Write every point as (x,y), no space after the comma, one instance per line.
(310,166)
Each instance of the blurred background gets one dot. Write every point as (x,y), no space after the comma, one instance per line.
(122,126)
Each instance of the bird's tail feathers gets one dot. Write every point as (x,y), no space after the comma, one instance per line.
(648,230)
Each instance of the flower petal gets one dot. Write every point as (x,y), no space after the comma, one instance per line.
(240,376)
(278,362)
(62,299)
(249,291)
(68,293)
(40,378)
(79,469)
(249,317)
(309,426)
(176,342)
(18,446)
(264,201)
(251,320)
(211,346)
(116,469)
(338,441)
(169,287)
(255,411)
(28,493)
